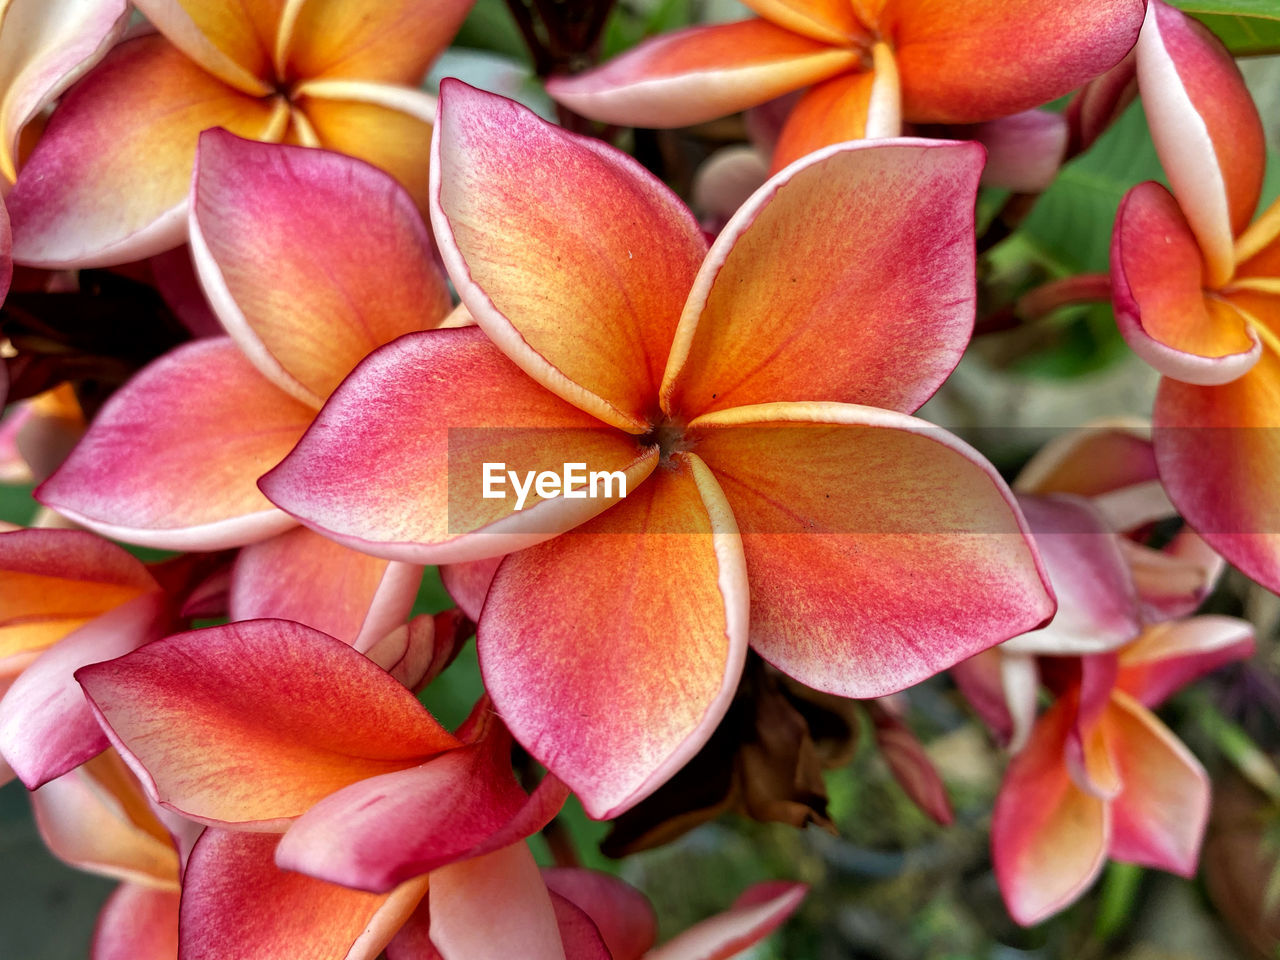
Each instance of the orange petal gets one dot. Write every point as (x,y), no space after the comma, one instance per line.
(392,41)
(1158,289)
(1049,838)
(389,127)
(232,39)
(1158,819)
(830,21)
(846,278)
(308,291)
(253,723)
(54,581)
(965,63)
(571,257)
(700,73)
(108,181)
(137,923)
(827,113)
(1235,427)
(96,818)
(829,495)
(612,652)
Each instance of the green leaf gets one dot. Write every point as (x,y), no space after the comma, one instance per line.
(1071,224)
(1247,27)
(489,26)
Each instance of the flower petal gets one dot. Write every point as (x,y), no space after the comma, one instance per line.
(309,290)
(44,48)
(700,73)
(847,277)
(232,39)
(621,913)
(756,914)
(1092,460)
(1158,819)
(990,58)
(236,903)
(468,583)
(1234,427)
(1097,599)
(464,923)
(913,516)
(392,41)
(607,704)
(96,818)
(1205,127)
(829,112)
(1157,282)
(1168,656)
(831,21)
(389,127)
(253,723)
(578,277)
(1025,150)
(137,923)
(394,463)
(382,831)
(46,727)
(55,581)
(1048,837)
(108,181)
(172,459)
(301,576)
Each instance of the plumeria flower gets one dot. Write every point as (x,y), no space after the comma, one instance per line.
(68,598)
(303,291)
(1197,292)
(45,46)
(1089,496)
(570,914)
(752,396)
(1101,777)
(869,65)
(97,818)
(298,751)
(107,183)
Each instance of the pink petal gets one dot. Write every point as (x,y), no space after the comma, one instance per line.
(44,48)
(299,575)
(394,464)
(309,290)
(1097,600)
(1168,656)
(137,923)
(1205,127)
(855,259)
(1025,150)
(755,915)
(621,913)
(382,831)
(237,904)
(910,765)
(465,924)
(252,723)
(173,457)
(468,583)
(569,651)
(579,276)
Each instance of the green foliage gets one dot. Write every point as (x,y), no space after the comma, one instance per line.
(1247,27)
(16,505)
(489,26)
(630,23)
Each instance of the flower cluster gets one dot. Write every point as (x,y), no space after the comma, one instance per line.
(310,330)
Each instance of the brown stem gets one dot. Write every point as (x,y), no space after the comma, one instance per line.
(1067,292)
(1016,209)
(560,842)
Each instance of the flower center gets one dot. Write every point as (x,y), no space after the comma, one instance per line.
(669,437)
